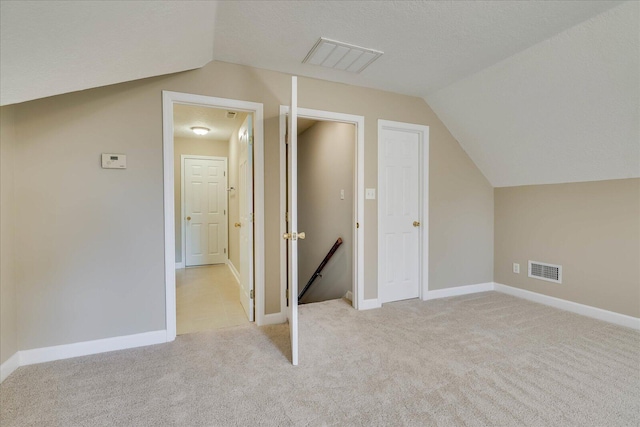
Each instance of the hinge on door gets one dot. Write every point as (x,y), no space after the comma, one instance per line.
(251,217)
(251,294)
(251,140)
(224,212)
(225,250)
(286,217)
(224,173)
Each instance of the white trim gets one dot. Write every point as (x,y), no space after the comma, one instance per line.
(179,265)
(358,250)
(9,366)
(183,223)
(423,191)
(459,290)
(168,99)
(369,304)
(234,270)
(67,351)
(274,318)
(574,307)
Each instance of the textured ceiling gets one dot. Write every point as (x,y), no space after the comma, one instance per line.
(565,110)
(534,91)
(53,47)
(427,44)
(187,116)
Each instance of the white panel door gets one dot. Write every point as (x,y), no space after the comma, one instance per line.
(292,227)
(400,210)
(205,211)
(245,194)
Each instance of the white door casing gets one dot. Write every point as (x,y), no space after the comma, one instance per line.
(205,210)
(292,231)
(402,211)
(358,300)
(169,99)
(245,194)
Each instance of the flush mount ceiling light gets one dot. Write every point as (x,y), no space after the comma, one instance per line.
(341,56)
(199,130)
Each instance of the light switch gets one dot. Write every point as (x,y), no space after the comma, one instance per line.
(516,268)
(341,194)
(370,194)
(114,161)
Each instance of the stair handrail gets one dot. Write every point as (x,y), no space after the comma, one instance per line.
(324,262)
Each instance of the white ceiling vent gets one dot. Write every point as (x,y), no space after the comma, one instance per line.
(544,271)
(231,114)
(341,56)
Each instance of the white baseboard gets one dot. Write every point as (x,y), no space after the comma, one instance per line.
(349,296)
(273,319)
(458,290)
(574,307)
(10,365)
(369,304)
(234,270)
(179,265)
(67,351)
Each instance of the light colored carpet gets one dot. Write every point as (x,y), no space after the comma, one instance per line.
(483,359)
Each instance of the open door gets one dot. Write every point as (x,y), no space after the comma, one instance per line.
(292,235)
(245,194)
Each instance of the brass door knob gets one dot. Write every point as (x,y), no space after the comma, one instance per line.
(286,236)
(188,218)
(237,225)
(416,223)
(302,235)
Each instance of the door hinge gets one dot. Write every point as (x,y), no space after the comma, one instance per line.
(286,217)
(357,225)
(225,211)
(225,250)
(251,140)
(251,294)
(224,173)
(251,217)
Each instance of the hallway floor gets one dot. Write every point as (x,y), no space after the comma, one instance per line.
(207,298)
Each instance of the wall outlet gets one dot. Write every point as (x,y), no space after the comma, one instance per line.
(516,268)
(370,194)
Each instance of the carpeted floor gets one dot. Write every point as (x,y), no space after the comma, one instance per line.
(484,359)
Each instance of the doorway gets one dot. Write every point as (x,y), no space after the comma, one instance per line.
(353,194)
(219,238)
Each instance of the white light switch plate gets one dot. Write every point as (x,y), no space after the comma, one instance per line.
(114,161)
(370,194)
(516,268)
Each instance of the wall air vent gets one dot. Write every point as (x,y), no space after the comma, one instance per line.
(341,56)
(231,114)
(544,271)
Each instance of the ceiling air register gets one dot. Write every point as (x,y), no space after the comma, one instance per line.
(341,56)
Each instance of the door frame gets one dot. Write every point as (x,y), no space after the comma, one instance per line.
(423,192)
(183,222)
(358,247)
(170,98)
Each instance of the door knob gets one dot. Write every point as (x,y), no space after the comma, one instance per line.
(416,223)
(302,235)
(286,236)
(188,218)
(237,225)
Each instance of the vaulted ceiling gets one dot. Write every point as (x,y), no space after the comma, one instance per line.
(535,92)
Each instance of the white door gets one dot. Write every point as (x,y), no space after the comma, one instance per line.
(245,193)
(205,211)
(399,198)
(292,233)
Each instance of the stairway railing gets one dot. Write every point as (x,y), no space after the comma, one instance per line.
(324,262)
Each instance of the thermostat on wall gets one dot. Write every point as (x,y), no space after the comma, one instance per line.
(114,161)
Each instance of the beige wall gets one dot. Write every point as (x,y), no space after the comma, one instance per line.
(326,164)
(89,250)
(8,300)
(592,229)
(195,146)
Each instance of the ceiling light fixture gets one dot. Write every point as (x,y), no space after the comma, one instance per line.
(199,130)
(341,56)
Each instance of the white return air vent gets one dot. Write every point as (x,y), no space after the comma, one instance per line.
(341,56)
(544,271)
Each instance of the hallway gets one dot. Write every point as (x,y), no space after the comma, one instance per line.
(207,298)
